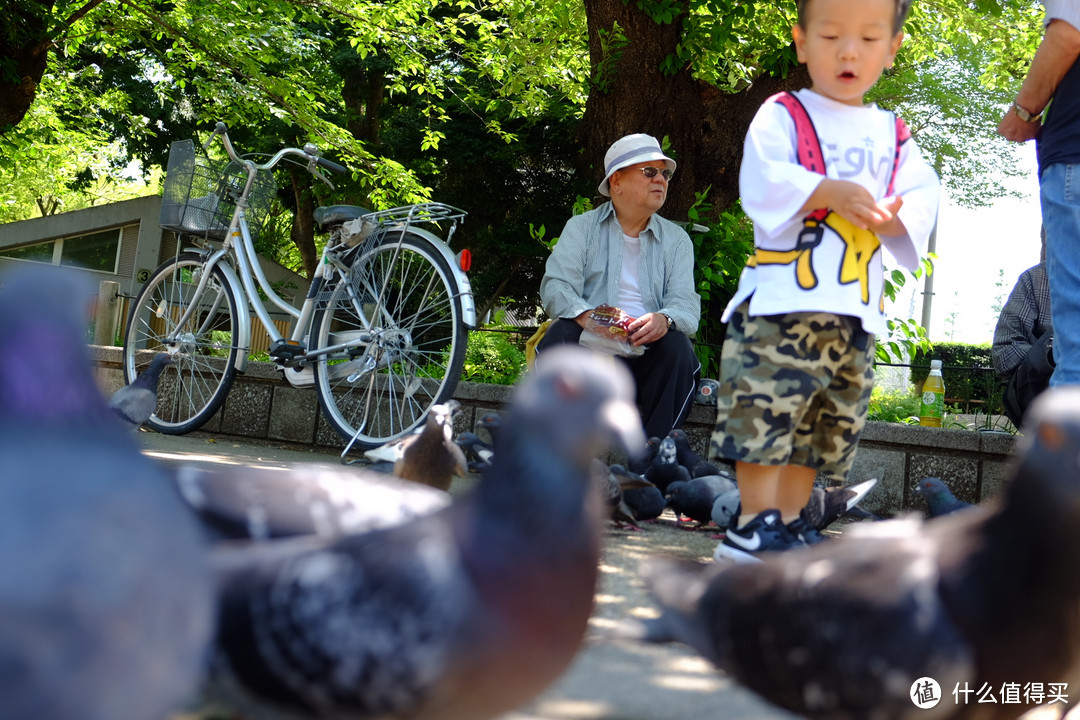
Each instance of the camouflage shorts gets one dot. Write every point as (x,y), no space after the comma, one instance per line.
(794,390)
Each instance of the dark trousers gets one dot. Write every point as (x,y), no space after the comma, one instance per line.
(666,376)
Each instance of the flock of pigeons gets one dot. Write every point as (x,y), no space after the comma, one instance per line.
(133,589)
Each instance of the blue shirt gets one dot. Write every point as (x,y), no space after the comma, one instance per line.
(585,267)
(1059,138)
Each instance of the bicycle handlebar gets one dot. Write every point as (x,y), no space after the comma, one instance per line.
(310,153)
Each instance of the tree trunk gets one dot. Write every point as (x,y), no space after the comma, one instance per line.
(631,94)
(303,227)
(24,55)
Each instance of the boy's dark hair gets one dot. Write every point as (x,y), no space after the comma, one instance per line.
(902,8)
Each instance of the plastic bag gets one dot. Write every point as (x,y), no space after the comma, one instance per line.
(606,331)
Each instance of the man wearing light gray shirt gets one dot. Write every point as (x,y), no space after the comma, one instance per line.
(625,255)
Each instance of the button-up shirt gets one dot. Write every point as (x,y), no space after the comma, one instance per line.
(585,267)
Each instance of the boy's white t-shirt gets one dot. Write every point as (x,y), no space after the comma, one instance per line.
(836,268)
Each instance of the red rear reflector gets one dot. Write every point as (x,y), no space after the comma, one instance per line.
(464,259)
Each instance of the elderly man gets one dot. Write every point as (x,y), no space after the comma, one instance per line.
(625,255)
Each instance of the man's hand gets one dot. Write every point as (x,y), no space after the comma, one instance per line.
(648,328)
(1013,128)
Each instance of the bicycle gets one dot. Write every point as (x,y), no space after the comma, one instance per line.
(381,334)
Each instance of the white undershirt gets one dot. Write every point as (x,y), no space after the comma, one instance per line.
(629,289)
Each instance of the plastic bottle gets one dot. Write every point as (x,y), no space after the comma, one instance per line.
(932,409)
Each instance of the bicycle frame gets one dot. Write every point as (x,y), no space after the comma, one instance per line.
(240,246)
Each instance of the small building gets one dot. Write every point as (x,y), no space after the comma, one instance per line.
(123,242)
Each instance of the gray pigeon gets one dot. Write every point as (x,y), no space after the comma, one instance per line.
(939,498)
(135,403)
(695,497)
(247,503)
(467,612)
(106,601)
(845,629)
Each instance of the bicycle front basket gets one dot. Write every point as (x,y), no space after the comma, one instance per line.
(191,194)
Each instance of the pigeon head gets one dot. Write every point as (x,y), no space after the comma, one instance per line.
(46,374)
(668,453)
(583,403)
(1049,451)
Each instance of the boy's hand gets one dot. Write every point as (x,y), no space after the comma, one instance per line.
(854,203)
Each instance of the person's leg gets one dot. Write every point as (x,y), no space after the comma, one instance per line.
(1060,196)
(666,377)
(560,332)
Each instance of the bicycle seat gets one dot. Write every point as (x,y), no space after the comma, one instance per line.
(333,214)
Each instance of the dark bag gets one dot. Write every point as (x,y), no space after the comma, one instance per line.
(1030,378)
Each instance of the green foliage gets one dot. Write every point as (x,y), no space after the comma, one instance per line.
(492,358)
(720,253)
(967,371)
(894,406)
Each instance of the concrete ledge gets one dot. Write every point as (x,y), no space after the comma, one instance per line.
(262,405)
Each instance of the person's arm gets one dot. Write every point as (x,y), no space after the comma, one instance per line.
(1015,331)
(563,285)
(1059,49)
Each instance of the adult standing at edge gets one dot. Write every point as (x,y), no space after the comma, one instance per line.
(624,254)
(1047,108)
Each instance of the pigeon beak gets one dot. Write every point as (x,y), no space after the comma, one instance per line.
(625,424)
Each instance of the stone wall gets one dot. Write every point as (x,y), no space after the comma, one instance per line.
(261,405)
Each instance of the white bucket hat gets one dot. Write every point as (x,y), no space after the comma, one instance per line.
(631,150)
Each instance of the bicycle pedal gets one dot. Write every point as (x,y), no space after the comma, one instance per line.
(284,350)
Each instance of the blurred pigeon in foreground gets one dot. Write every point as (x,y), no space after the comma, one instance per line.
(939,498)
(972,600)
(106,605)
(430,456)
(135,403)
(244,503)
(465,613)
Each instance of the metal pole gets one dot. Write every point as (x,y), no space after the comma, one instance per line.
(928,283)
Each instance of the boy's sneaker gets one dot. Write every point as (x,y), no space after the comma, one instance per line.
(765,533)
(805,532)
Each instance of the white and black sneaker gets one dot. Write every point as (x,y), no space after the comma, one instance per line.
(765,533)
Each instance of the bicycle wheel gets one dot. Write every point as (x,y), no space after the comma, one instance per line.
(399,313)
(194,386)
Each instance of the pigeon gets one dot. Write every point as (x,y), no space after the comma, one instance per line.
(695,497)
(725,509)
(106,584)
(665,468)
(467,612)
(645,501)
(247,503)
(135,403)
(845,628)
(430,456)
(612,486)
(939,499)
(490,422)
(689,459)
(827,505)
(477,452)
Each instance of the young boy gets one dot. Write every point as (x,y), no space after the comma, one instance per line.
(796,367)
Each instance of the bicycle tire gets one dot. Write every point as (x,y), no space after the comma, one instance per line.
(382,390)
(194,386)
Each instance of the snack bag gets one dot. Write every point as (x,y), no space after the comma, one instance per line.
(605,331)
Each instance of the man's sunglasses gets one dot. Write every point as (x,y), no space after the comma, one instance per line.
(650,172)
